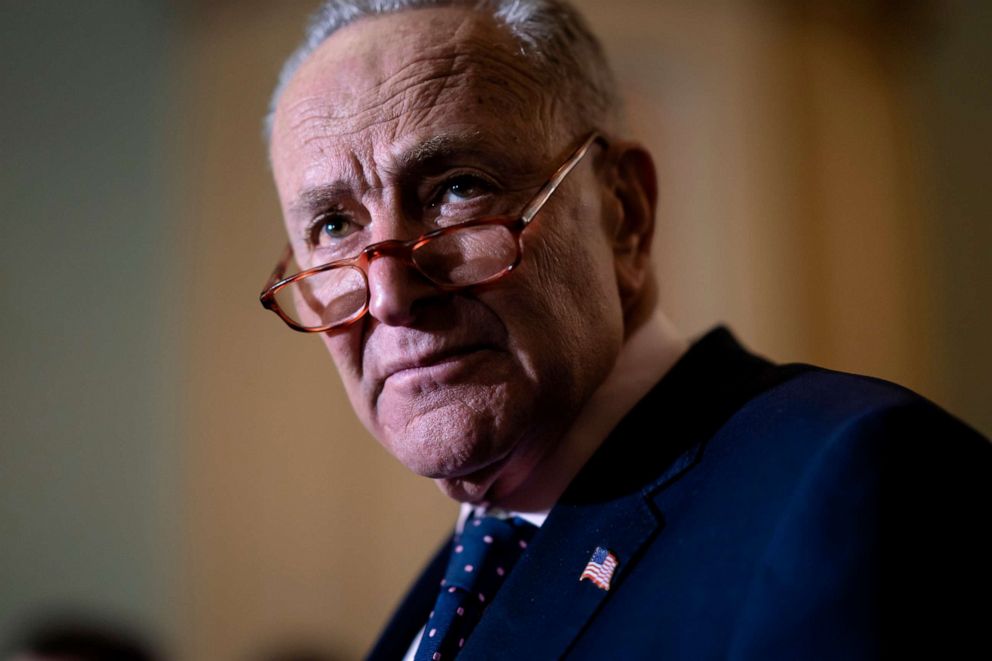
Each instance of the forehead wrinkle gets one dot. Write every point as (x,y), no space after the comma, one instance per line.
(367,177)
(416,89)
(315,106)
(355,182)
(473,59)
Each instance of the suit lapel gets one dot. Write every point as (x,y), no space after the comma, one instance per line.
(543,606)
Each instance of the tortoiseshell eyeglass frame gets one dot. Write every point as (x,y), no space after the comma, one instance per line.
(403,250)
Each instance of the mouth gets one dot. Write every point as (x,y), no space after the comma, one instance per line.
(436,368)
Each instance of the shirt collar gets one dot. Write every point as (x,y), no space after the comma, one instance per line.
(469,510)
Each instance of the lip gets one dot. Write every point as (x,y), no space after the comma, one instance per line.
(435,367)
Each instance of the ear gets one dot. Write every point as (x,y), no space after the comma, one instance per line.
(635,192)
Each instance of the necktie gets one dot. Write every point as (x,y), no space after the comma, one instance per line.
(483,555)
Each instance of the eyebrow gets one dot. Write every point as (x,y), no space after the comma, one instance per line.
(441,151)
(319,197)
(443,146)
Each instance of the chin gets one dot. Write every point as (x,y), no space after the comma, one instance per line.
(464,465)
(449,457)
(450,433)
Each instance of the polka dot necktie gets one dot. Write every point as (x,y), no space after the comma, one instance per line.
(483,555)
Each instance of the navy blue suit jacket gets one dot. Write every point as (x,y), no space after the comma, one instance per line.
(757,512)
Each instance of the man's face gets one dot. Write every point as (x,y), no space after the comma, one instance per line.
(395,126)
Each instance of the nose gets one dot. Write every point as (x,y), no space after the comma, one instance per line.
(397,291)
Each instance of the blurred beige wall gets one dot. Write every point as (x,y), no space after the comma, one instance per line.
(822,169)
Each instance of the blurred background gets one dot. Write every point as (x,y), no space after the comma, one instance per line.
(175,461)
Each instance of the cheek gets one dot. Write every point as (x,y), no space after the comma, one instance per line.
(574,267)
(568,316)
(345,350)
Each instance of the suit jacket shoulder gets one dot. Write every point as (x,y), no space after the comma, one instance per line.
(825,516)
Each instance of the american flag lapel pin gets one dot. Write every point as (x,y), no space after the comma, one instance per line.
(600,568)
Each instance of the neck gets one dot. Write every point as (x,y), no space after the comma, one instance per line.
(648,353)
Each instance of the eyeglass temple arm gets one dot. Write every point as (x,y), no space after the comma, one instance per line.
(549,188)
(280,270)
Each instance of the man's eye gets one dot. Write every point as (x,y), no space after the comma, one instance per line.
(329,228)
(461,189)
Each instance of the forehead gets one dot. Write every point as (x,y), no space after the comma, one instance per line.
(390,81)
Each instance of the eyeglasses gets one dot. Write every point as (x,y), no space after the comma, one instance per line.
(476,252)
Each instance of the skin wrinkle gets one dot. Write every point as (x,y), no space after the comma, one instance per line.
(322,125)
(317,136)
(488,67)
(483,62)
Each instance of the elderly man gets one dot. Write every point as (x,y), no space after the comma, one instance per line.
(470,236)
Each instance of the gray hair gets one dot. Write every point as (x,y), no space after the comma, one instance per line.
(550,32)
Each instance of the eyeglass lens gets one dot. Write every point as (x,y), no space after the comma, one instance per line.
(460,258)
